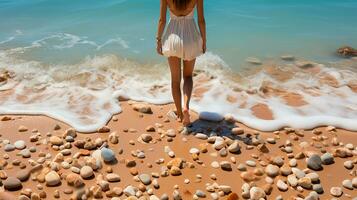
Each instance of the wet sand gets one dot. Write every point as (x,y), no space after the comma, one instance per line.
(131,124)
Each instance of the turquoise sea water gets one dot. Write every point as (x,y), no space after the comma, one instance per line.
(73,59)
(236,28)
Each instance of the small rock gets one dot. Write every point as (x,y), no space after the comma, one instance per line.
(314,162)
(327,159)
(287,57)
(200,194)
(108,155)
(272,170)
(145,179)
(143,108)
(257,193)
(348,164)
(74,180)
(86,172)
(112,177)
(237,131)
(254,61)
(146,137)
(12,184)
(52,178)
(305,182)
(20,144)
(282,185)
(55,140)
(210,116)
(194,151)
(226,166)
(347,184)
(336,191)
(234,147)
(9,147)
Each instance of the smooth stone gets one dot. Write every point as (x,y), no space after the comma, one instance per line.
(201,136)
(298,173)
(74,180)
(12,184)
(305,182)
(20,144)
(130,190)
(200,194)
(108,155)
(287,57)
(336,191)
(145,179)
(210,116)
(282,185)
(25,153)
(312,196)
(194,151)
(348,164)
(23,175)
(253,60)
(292,180)
(354,182)
(219,143)
(86,172)
(251,163)
(318,188)
(234,147)
(52,178)
(226,166)
(272,170)
(237,131)
(257,193)
(327,159)
(146,137)
(55,140)
(313,176)
(215,164)
(314,162)
(112,177)
(347,184)
(9,147)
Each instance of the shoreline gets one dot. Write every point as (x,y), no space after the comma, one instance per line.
(130,125)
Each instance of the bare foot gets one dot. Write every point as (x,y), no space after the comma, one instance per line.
(186,117)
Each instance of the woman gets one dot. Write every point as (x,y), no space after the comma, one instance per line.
(181,41)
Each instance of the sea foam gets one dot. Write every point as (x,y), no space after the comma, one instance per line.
(85,95)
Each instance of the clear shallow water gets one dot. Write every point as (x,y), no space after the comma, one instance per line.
(72,60)
(236,29)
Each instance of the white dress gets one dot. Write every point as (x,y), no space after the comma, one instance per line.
(182,38)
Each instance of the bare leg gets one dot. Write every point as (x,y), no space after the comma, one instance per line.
(187,88)
(175,68)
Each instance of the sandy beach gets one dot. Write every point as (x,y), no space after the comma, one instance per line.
(155,158)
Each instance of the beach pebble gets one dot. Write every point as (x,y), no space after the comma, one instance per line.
(226,166)
(312,196)
(314,177)
(257,193)
(108,155)
(20,144)
(23,174)
(347,184)
(210,116)
(143,108)
(25,153)
(74,180)
(234,147)
(22,129)
(348,164)
(194,151)
(145,179)
(219,143)
(175,171)
(318,188)
(336,191)
(314,162)
(327,159)
(130,190)
(55,140)
(305,182)
(171,133)
(12,184)
(272,170)
(237,131)
(86,172)
(215,164)
(112,177)
(287,57)
(254,61)
(282,185)
(292,180)
(146,137)
(9,147)
(251,163)
(354,182)
(52,178)
(298,173)
(201,136)
(200,194)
